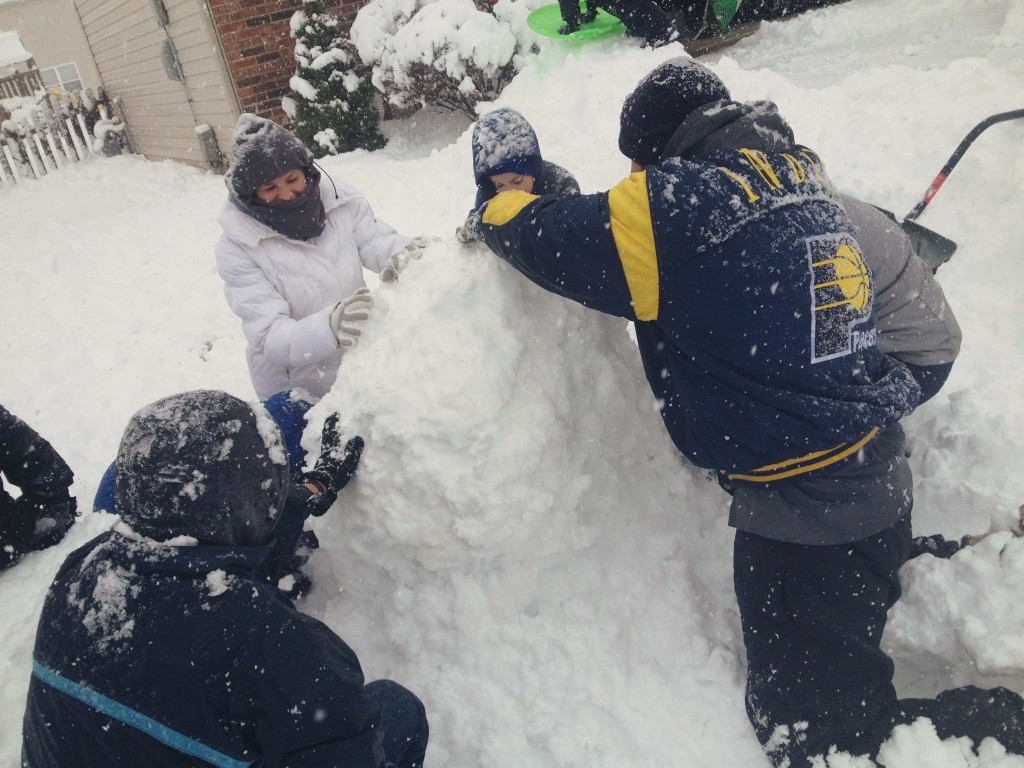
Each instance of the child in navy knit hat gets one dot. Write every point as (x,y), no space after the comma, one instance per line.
(506,155)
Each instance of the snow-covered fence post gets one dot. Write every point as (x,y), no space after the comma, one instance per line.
(12,164)
(79,149)
(35,127)
(10,146)
(59,108)
(65,149)
(46,161)
(27,148)
(59,158)
(85,133)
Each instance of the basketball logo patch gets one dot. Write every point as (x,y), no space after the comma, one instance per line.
(841,297)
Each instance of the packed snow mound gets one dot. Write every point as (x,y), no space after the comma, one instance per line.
(518,476)
(524,419)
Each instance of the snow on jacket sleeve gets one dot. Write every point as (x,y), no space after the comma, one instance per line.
(266,322)
(596,249)
(915,322)
(28,461)
(31,463)
(377,240)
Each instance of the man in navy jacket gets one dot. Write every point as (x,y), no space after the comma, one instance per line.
(754,310)
(158,645)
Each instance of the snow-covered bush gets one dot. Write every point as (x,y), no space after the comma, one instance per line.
(449,53)
(333,101)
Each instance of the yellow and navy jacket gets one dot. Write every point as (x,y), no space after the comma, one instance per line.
(752,303)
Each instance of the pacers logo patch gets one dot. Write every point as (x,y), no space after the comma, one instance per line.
(841,297)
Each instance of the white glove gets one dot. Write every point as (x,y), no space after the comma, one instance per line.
(350,315)
(396,263)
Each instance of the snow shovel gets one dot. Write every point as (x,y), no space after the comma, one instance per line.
(935,249)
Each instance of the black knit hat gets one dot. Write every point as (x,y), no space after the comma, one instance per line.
(660,103)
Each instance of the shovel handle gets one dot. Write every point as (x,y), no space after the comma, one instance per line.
(939,180)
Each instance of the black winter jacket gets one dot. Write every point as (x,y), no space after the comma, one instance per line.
(230,675)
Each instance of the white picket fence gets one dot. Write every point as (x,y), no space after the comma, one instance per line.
(57,136)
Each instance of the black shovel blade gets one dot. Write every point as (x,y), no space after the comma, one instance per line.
(933,248)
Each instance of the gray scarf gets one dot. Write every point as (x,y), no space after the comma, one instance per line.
(299,219)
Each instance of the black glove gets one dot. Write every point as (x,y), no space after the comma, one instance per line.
(53,518)
(336,464)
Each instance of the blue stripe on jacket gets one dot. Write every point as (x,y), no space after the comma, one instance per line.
(137,720)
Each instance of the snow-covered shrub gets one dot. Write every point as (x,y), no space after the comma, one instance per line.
(449,53)
(333,101)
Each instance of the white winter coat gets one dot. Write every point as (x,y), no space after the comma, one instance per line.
(284,290)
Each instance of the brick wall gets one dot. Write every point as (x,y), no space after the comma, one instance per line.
(259,48)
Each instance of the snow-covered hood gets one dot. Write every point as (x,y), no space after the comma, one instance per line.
(500,137)
(725,124)
(202,464)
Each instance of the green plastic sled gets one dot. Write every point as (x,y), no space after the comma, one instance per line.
(547,19)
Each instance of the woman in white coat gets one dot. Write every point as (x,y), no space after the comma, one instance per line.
(292,255)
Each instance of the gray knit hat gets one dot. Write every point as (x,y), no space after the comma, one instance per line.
(262,150)
(661,102)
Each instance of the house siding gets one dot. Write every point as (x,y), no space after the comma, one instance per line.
(235,56)
(162,113)
(50,31)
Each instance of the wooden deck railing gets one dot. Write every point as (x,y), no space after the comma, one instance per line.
(21,84)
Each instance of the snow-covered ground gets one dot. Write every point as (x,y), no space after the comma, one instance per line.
(523,547)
